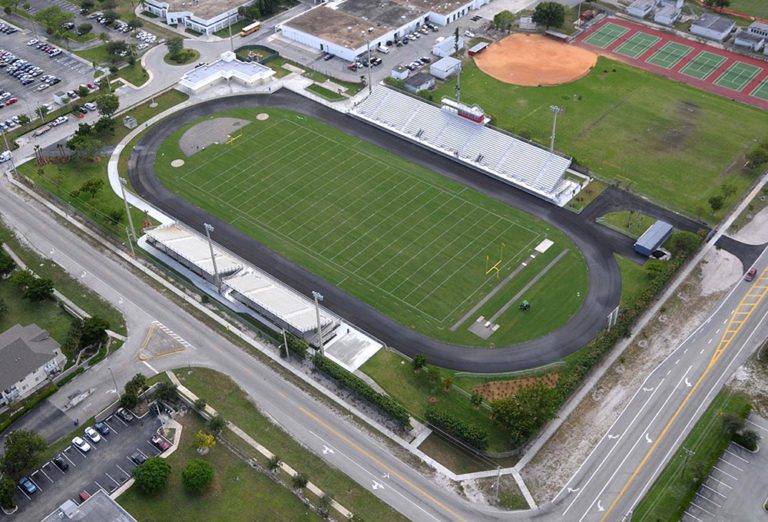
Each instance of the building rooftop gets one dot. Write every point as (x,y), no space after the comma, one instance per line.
(228,66)
(714,23)
(23,349)
(418,79)
(655,234)
(761,26)
(643,5)
(337,26)
(98,508)
(744,34)
(446,63)
(204,9)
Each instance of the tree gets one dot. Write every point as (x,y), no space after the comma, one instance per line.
(732,423)
(717,4)
(447,383)
(129,400)
(476,399)
(748,439)
(204,442)
(22,278)
(136,385)
(549,14)
(167,392)
(84,28)
(110,16)
(87,4)
(152,475)
(94,330)
(82,91)
(716,203)
(7,264)
(200,404)
(503,21)
(433,374)
(526,411)
(107,104)
(419,361)
(7,490)
(273,463)
(32,288)
(299,481)
(217,424)
(3,308)
(52,18)
(135,23)
(197,475)
(23,119)
(104,126)
(175,46)
(115,49)
(324,504)
(22,452)
(758,156)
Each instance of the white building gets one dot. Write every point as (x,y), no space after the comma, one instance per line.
(345,28)
(447,46)
(227,68)
(641,8)
(28,357)
(399,73)
(419,82)
(753,37)
(202,16)
(445,67)
(667,14)
(712,27)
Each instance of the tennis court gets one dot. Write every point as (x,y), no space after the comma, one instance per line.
(704,64)
(761,91)
(669,55)
(737,76)
(637,44)
(606,35)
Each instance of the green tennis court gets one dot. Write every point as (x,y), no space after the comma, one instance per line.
(637,44)
(669,55)
(704,64)
(761,91)
(737,76)
(606,35)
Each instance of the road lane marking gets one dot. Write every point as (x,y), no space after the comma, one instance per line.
(723,345)
(150,367)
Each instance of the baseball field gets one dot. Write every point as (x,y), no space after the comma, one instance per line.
(417,246)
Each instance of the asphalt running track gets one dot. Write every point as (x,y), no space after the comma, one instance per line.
(604,276)
(674,72)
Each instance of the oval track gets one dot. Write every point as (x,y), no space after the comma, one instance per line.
(604,276)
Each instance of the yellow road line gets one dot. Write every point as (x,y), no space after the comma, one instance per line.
(723,345)
(376,461)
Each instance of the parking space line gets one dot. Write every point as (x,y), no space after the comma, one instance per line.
(725,473)
(35,483)
(45,474)
(708,499)
(23,493)
(110,426)
(100,486)
(708,512)
(142,453)
(121,469)
(721,482)
(737,456)
(112,479)
(758,425)
(67,456)
(692,516)
(730,464)
(714,491)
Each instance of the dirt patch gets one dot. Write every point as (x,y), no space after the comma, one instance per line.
(677,137)
(535,60)
(752,379)
(209,132)
(719,271)
(558,460)
(756,231)
(496,390)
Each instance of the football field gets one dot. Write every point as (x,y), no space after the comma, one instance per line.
(406,240)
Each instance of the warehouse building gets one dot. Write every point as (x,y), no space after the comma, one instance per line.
(445,67)
(345,28)
(202,16)
(712,27)
(653,238)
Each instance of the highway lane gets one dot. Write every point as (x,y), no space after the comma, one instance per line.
(631,454)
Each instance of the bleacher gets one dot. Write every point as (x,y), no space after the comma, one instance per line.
(527,166)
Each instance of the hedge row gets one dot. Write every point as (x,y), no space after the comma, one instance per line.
(28,404)
(384,402)
(469,433)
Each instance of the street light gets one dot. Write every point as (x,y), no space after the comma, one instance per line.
(555,110)
(368,45)
(132,231)
(208,230)
(319,297)
(114,381)
(10,154)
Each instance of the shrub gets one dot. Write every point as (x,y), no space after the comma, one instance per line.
(747,438)
(299,481)
(152,475)
(217,424)
(7,490)
(273,463)
(469,433)
(384,402)
(297,346)
(200,404)
(419,361)
(197,475)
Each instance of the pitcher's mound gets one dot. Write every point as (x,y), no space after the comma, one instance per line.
(535,60)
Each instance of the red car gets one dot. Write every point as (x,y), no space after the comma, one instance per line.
(751,274)
(84,495)
(11,101)
(160,443)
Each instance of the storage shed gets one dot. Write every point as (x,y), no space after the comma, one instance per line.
(445,67)
(653,238)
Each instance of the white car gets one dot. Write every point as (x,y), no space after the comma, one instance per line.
(92,434)
(33,41)
(81,445)
(5,156)
(469,34)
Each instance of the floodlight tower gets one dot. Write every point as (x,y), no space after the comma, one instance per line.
(132,231)
(458,73)
(368,46)
(208,230)
(318,298)
(555,110)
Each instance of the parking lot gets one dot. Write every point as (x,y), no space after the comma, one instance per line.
(72,72)
(107,465)
(734,490)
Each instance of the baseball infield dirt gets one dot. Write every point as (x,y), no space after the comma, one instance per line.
(535,60)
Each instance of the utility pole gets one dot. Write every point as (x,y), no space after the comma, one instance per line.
(113,380)
(229,26)
(368,46)
(555,110)
(458,74)
(285,344)
(123,183)
(687,454)
(319,297)
(208,230)
(10,154)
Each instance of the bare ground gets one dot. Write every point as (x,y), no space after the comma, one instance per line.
(558,460)
(208,132)
(756,231)
(752,379)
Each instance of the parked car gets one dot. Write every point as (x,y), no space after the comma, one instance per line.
(160,443)
(751,274)
(100,426)
(124,414)
(61,462)
(92,435)
(5,156)
(28,486)
(81,445)
(84,495)
(11,101)
(138,458)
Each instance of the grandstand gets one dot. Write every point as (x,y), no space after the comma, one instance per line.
(495,153)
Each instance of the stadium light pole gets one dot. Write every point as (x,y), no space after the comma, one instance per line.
(555,110)
(229,26)
(368,46)
(208,230)
(319,297)
(132,232)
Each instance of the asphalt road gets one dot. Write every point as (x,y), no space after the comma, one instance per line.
(604,282)
(624,464)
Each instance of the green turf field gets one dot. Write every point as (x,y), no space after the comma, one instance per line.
(606,35)
(637,44)
(737,76)
(702,65)
(757,8)
(669,55)
(659,136)
(402,238)
(761,91)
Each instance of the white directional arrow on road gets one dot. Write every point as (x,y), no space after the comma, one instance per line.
(648,439)
(327,450)
(600,506)
(376,486)
(687,383)
(611,437)
(648,389)
(385,476)
(573,490)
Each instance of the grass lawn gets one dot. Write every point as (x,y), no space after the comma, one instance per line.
(105,208)
(757,8)
(402,238)
(325,93)
(96,54)
(628,222)
(587,195)
(756,205)
(676,486)
(63,282)
(230,401)
(225,498)
(134,74)
(458,459)
(655,135)
(188,56)
(633,280)
(235,28)
(48,315)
